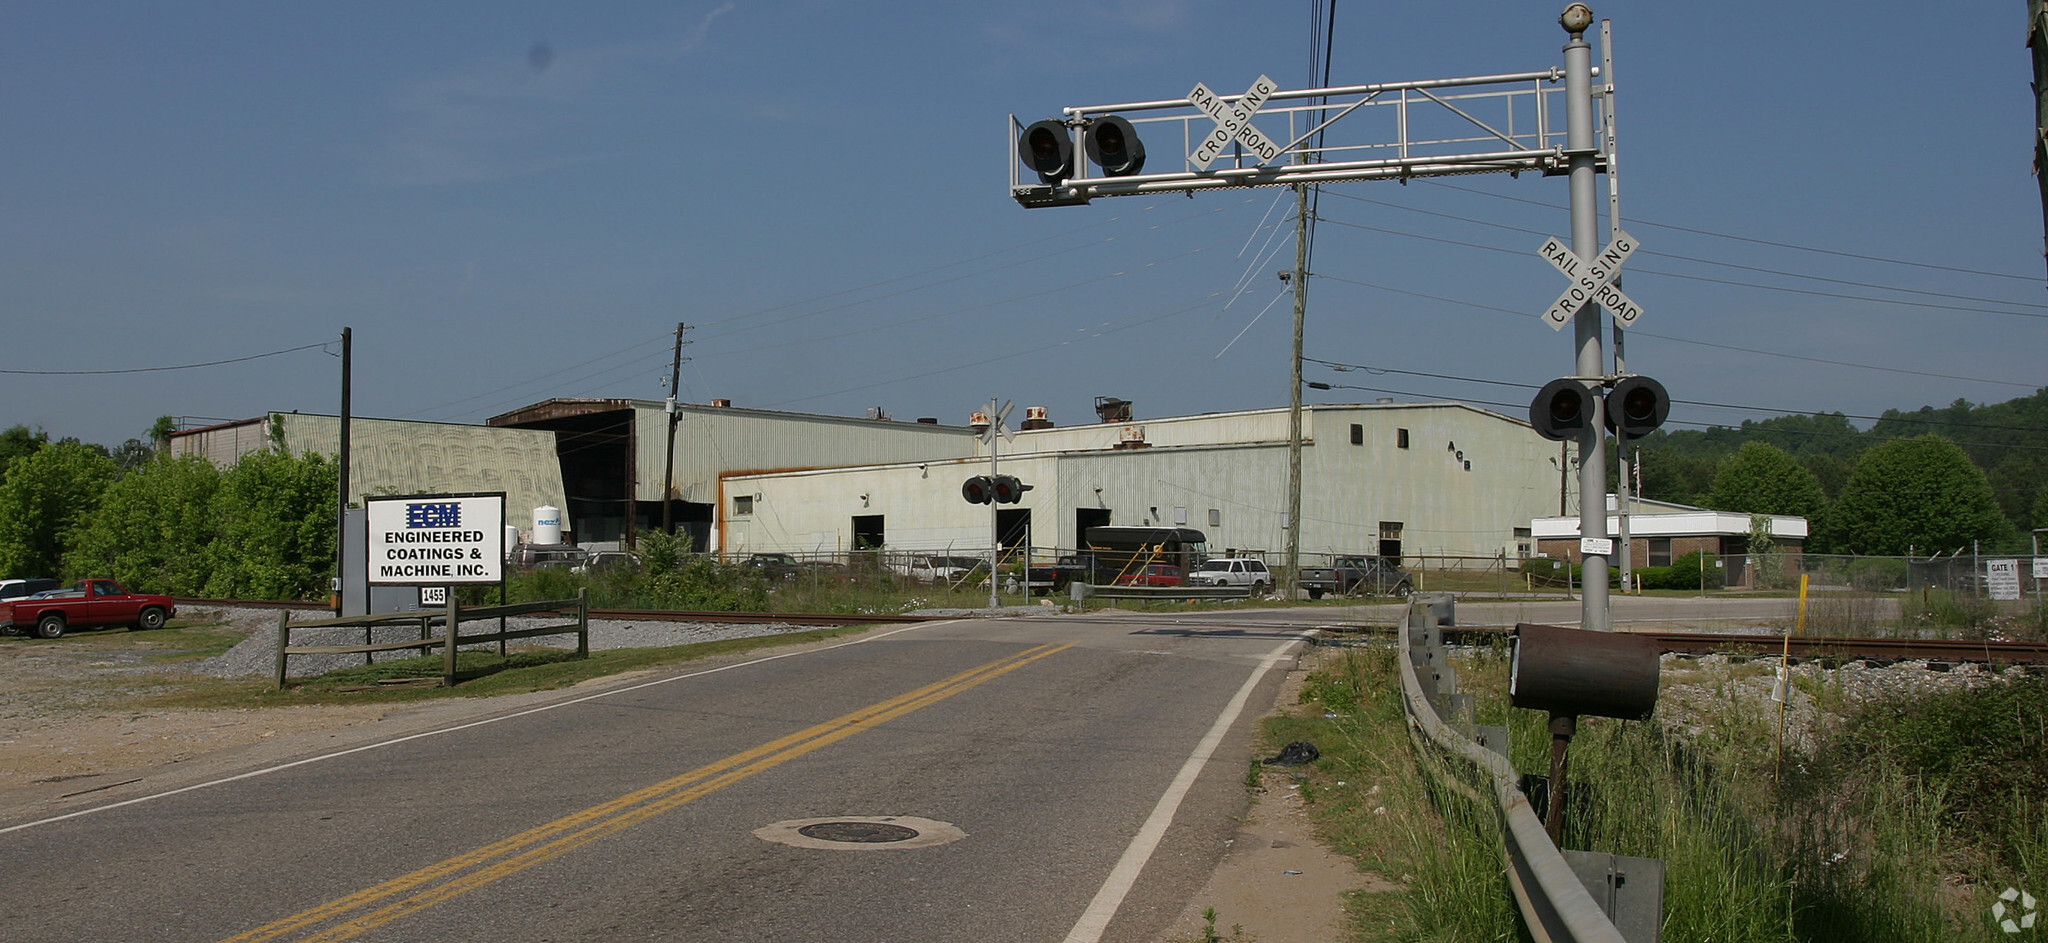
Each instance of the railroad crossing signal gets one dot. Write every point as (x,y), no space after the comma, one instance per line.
(1563,408)
(1233,122)
(1592,280)
(993,489)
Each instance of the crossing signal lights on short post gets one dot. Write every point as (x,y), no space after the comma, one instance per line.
(1637,406)
(1008,490)
(979,489)
(1561,409)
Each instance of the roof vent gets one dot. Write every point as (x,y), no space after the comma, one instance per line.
(1035,418)
(1112,409)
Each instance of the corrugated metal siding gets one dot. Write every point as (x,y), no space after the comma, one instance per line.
(392,457)
(712,441)
(224,444)
(1347,489)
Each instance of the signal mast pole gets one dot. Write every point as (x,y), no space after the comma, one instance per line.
(1589,363)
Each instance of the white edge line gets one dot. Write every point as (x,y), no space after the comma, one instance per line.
(1124,876)
(252,774)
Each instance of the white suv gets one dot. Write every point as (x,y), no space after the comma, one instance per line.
(1233,571)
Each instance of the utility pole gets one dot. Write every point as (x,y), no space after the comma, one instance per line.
(341,463)
(668,467)
(1300,283)
(2037,40)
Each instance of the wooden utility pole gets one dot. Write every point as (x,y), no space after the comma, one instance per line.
(668,465)
(2037,40)
(341,464)
(1300,282)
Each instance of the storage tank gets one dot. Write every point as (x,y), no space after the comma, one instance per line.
(547,524)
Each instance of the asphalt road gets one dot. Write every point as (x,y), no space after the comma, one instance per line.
(1069,779)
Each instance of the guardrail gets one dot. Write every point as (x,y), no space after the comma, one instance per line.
(449,619)
(1555,905)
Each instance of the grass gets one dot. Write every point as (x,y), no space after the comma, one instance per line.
(1901,820)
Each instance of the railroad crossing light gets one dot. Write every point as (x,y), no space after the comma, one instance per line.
(978,490)
(1114,146)
(1046,148)
(1637,406)
(1561,409)
(1008,490)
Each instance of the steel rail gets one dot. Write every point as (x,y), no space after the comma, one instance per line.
(639,615)
(1843,647)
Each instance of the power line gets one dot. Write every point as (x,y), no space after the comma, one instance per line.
(1346,367)
(1719,281)
(1686,258)
(1636,332)
(1754,241)
(182,366)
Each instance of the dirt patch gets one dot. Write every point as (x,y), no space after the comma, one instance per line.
(69,720)
(1276,881)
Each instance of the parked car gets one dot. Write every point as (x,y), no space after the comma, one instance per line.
(938,569)
(1233,571)
(1358,574)
(16,589)
(1056,577)
(89,603)
(1154,574)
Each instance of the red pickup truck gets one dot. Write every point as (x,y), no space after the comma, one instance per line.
(89,603)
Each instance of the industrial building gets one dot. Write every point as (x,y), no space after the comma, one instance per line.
(1400,480)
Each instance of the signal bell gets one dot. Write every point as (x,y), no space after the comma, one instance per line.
(1561,409)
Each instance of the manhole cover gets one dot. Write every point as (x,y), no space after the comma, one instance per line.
(860,832)
(857,832)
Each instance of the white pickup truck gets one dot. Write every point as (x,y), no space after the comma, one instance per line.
(1233,571)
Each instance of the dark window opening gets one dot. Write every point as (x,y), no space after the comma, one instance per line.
(1357,433)
(1401,438)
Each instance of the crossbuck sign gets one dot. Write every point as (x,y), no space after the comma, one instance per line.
(1592,280)
(1233,122)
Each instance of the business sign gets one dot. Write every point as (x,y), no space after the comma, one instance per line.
(436,539)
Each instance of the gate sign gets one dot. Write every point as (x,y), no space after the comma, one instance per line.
(1592,280)
(2002,577)
(1233,122)
(436,540)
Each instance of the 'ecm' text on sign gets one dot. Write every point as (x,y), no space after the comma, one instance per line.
(436,539)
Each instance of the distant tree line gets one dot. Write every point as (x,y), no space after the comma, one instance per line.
(1927,481)
(261,529)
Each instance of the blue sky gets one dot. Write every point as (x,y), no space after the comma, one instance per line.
(515,201)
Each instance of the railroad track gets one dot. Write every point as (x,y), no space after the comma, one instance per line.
(630,615)
(1838,648)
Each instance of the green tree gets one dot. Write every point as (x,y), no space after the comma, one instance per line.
(1920,494)
(1761,478)
(48,494)
(18,441)
(154,529)
(276,519)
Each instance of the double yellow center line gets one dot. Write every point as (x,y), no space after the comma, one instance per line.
(376,906)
